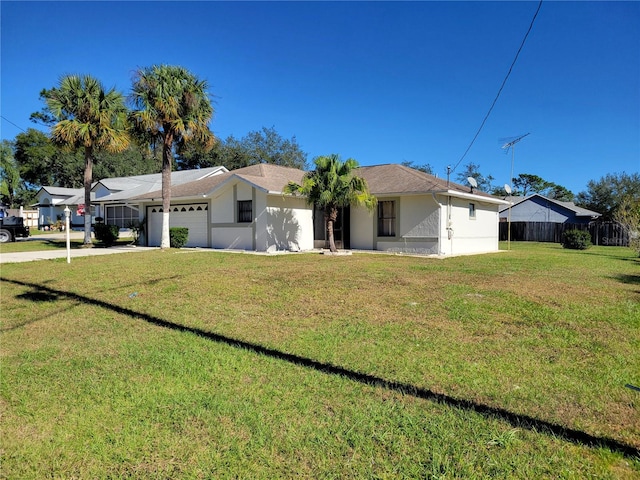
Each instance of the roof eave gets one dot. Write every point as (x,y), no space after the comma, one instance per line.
(472,196)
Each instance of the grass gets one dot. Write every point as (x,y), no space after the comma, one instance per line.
(207,364)
(34,244)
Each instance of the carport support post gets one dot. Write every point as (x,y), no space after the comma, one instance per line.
(67,213)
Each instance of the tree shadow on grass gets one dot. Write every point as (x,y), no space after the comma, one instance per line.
(515,419)
(630,279)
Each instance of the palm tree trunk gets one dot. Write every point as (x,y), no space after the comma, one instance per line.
(166,188)
(88,177)
(332,216)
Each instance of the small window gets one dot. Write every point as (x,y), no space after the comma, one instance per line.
(472,210)
(245,211)
(387,219)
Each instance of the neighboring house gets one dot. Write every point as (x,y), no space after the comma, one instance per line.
(53,200)
(109,197)
(537,208)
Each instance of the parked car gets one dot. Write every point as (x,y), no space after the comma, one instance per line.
(12,228)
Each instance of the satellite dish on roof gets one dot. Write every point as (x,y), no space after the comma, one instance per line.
(472,182)
(507,189)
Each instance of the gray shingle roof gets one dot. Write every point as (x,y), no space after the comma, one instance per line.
(390,179)
(267,177)
(396,179)
(579,211)
(126,188)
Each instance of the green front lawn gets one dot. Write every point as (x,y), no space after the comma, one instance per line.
(167,364)
(33,244)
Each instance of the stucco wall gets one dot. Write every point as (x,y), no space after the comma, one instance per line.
(285,223)
(416,228)
(222,206)
(471,235)
(362,228)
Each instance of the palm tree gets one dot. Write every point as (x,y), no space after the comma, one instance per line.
(88,116)
(333,185)
(173,108)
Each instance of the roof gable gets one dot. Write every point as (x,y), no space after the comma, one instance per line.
(126,188)
(266,177)
(394,179)
(550,203)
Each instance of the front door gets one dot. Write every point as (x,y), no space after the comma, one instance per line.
(341,229)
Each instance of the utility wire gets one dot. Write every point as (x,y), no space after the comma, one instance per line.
(501,87)
(9,121)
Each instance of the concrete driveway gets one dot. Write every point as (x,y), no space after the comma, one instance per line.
(62,252)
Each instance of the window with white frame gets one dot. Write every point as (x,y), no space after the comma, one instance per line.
(120,215)
(472,210)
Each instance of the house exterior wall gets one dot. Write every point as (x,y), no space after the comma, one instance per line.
(279,223)
(286,223)
(416,226)
(537,209)
(226,232)
(469,234)
(362,228)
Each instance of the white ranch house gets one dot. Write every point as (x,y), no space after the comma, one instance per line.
(245,209)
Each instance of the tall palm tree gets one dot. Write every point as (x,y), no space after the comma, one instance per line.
(172,108)
(333,185)
(91,117)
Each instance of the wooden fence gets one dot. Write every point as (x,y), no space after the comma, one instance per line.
(602,233)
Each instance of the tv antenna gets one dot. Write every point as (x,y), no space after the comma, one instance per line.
(511,141)
(511,145)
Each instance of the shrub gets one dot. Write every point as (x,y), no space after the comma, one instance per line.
(106,234)
(178,237)
(576,239)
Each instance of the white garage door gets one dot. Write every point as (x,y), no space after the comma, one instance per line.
(193,216)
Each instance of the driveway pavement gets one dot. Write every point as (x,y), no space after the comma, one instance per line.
(62,252)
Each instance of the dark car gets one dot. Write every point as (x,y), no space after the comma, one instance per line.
(12,228)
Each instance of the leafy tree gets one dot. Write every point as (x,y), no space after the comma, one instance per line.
(333,185)
(526,183)
(473,170)
(89,117)
(10,181)
(558,192)
(265,146)
(425,167)
(605,195)
(499,192)
(628,215)
(173,109)
(135,160)
(268,146)
(42,163)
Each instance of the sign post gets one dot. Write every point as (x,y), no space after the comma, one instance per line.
(67,214)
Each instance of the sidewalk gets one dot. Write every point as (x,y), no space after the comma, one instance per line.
(62,252)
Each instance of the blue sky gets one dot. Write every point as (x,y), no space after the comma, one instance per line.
(382,82)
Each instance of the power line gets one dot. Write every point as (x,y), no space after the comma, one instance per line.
(9,121)
(501,87)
